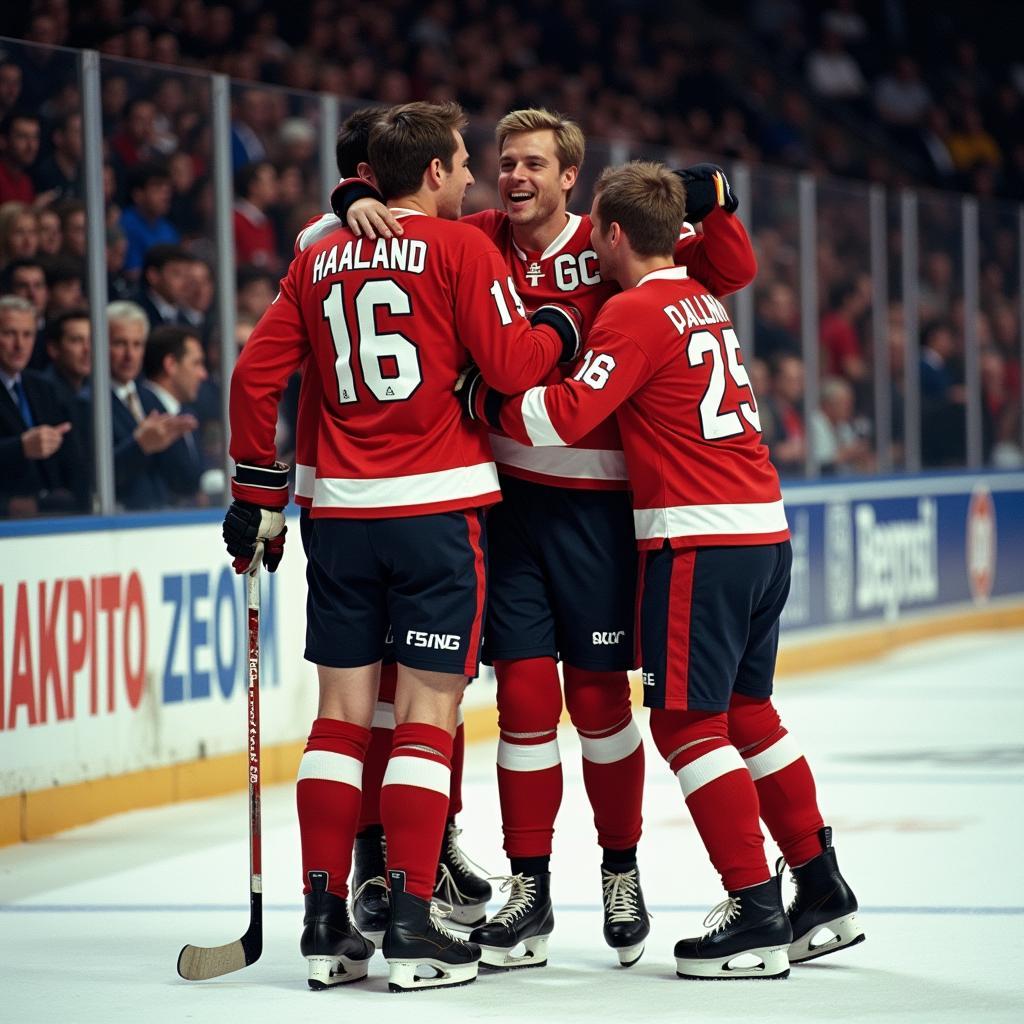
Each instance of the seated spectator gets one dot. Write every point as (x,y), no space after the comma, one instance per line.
(64,286)
(970,145)
(19,232)
(254,291)
(787,446)
(51,236)
(134,144)
(61,172)
(255,238)
(19,149)
(837,441)
(69,349)
(943,412)
(10,86)
(901,97)
(197,307)
(832,72)
(27,279)
(118,285)
(41,465)
(145,222)
(72,225)
(775,322)
(165,283)
(937,347)
(146,469)
(840,331)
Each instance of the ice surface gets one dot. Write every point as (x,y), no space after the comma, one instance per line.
(920,765)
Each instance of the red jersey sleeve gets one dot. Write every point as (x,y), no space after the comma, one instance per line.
(489,317)
(612,369)
(274,351)
(722,258)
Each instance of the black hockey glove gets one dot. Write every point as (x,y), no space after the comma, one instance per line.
(479,401)
(706,187)
(566,321)
(252,532)
(346,192)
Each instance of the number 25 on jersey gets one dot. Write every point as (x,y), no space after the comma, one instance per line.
(717,423)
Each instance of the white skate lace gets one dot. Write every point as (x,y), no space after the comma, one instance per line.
(447,888)
(439,910)
(620,896)
(377,880)
(459,860)
(520,889)
(721,914)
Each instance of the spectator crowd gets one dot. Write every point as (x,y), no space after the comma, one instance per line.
(829,82)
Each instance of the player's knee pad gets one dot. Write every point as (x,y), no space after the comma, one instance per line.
(674,731)
(596,701)
(529,695)
(751,720)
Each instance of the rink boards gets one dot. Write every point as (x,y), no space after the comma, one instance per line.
(121,640)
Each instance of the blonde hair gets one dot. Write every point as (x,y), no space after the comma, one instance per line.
(10,213)
(648,202)
(569,141)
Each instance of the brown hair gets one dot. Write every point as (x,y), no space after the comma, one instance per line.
(647,201)
(406,138)
(569,141)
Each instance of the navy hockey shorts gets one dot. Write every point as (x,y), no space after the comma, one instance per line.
(306,526)
(562,577)
(423,578)
(709,623)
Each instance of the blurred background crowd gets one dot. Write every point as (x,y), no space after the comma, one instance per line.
(860,94)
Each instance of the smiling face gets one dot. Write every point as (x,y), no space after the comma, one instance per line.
(532,185)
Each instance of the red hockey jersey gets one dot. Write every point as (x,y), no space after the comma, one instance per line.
(664,357)
(390,325)
(567,273)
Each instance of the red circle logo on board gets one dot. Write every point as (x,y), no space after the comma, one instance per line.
(981,543)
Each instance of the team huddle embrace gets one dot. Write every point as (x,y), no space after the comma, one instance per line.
(526,436)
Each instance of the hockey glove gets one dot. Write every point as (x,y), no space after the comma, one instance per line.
(706,187)
(252,533)
(346,192)
(479,401)
(566,320)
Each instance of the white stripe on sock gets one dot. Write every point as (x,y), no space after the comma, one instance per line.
(781,753)
(609,749)
(403,770)
(712,765)
(327,766)
(528,757)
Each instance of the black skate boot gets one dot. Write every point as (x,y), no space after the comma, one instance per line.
(527,919)
(749,937)
(458,884)
(335,952)
(417,944)
(823,908)
(369,890)
(626,923)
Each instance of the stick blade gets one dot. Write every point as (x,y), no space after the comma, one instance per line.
(198,963)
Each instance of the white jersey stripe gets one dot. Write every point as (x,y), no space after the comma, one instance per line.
(609,749)
(572,463)
(327,766)
(305,480)
(404,770)
(536,420)
(400,491)
(707,768)
(775,758)
(704,520)
(528,757)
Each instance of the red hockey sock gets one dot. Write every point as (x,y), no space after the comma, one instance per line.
(327,798)
(458,758)
(414,803)
(718,791)
(785,785)
(613,753)
(529,765)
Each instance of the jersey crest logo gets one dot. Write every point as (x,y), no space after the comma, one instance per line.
(534,274)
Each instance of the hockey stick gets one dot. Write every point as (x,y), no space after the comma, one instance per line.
(196,963)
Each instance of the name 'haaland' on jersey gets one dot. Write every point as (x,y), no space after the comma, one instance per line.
(688,313)
(408,254)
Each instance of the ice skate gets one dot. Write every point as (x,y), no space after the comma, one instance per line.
(517,935)
(369,890)
(626,922)
(824,910)
(422,953)
(335,952)
(749,936)
(458,884)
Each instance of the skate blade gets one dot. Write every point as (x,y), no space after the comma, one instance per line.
(629,955)
(502,958)
(771,963)
(403,975)
(845,932)
(327,971)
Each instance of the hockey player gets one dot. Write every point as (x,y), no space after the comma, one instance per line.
(458,884)
(714,573)
(554,597)
(562,549)
(400,487)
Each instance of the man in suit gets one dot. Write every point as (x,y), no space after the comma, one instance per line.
(41,464)
(165,284)
(147,467)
